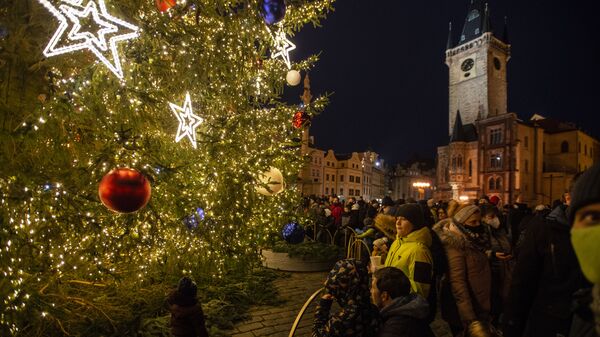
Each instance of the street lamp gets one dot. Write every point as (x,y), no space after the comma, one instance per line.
(421,186)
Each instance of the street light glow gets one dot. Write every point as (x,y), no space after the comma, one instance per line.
(420,184)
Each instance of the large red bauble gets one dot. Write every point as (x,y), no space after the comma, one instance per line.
(124,190)
(301,118)
(165,5)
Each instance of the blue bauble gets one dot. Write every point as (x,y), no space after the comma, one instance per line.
(273,11)
(293,233)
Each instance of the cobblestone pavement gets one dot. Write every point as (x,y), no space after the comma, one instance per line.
(276,321)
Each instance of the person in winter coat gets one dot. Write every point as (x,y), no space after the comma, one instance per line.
(187,318)
(354,216)
(410,252)
(466,245)
(501,259)
(585,236)
(402,313)
(336,211)
(546,276)
(347,284)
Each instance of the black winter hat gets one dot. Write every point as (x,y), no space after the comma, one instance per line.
(412,213)
(586,191)
(387,201)
(187,287)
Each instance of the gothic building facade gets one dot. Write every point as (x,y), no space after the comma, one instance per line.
(491,151)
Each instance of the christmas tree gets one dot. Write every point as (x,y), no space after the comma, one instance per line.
(123,97)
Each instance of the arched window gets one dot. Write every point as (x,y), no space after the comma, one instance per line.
(499,183)
(460,161)
(564,147)
(492,185)
(470,168)
(453,163)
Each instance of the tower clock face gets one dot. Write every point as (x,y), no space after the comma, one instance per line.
(467,64)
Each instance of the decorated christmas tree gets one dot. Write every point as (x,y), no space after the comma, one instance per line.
(140,141)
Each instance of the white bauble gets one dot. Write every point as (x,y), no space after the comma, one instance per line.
(293,77)
(272,178)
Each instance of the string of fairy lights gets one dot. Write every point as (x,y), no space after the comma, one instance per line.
(56,230)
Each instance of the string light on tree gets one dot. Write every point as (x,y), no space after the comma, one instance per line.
(71,36)
(282,47)
(188,122)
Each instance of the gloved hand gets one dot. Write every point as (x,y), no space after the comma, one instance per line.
(478,329)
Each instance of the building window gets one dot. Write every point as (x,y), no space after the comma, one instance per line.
(499,183)
(333,177)
(358,180)
(492,184)
(495,136)
(526,142)
(470,168)
(453,163)
(341,178)
(351,192)
(496,161)
(564,147)
(327,177)
(343,165)
(351,178)
(341,191)
(526,166)
(326,190)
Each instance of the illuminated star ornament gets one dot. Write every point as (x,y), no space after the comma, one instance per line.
(88,26)
(188,122)
(283,46)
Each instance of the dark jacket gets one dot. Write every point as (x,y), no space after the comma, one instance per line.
(583,320)
(469,276)
(404,317)
(546,276)
(187,318)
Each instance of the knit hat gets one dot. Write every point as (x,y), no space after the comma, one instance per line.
(465,213)
(494,200)
(586,191)
(412,213)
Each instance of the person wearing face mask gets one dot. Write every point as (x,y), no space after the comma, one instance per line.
(585,236)
(501,261)
(545,278)
(467,246)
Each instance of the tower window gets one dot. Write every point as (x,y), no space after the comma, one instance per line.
(492,184)
(495,136)
(495,161)
(470,168)
(499,183)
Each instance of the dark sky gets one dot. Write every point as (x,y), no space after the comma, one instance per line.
(384,62)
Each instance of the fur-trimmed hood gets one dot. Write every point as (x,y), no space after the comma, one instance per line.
(450,235)
(386,224)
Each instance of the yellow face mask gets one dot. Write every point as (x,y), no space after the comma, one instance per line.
(586,242)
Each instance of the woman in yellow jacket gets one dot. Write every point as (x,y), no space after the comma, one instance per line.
(410,252)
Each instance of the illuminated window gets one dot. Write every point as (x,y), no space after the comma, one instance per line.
(495,136)
(358,180)
(495,161)
(351,179)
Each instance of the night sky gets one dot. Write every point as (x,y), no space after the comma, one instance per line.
(384,63)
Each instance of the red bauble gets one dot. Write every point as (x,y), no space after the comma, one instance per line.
(124,190)
(301,118)
(165,5)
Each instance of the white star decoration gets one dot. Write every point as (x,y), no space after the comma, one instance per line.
(188,122)
(71,36)
(283,46)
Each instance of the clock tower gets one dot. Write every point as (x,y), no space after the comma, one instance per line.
(477,69)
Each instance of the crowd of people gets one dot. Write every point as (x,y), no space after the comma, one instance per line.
(490,270)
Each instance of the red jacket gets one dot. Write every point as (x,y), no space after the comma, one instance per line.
(336,212)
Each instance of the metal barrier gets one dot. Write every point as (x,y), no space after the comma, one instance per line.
(302,311)
(355,248)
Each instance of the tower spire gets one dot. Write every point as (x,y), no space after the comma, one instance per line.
(307,95)
(487,27)
(449,44)
(505,33)
(458,133)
